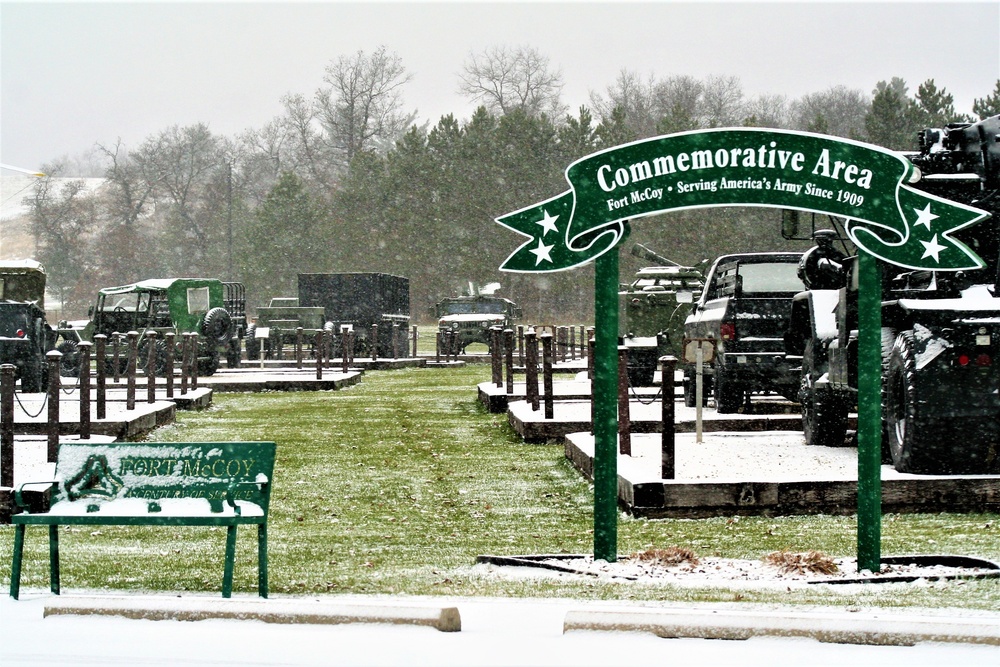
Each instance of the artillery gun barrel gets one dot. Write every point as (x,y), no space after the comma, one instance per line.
(643,252)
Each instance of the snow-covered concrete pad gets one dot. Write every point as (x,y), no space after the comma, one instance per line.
(841,628)
(445,619)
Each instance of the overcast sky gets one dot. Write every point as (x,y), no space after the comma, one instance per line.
(76,74)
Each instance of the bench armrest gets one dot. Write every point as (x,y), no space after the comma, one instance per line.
(19,499)
(259,484)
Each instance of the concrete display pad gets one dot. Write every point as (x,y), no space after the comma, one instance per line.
(770,473)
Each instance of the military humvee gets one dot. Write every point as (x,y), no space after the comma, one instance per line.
(470,317)
(651,312)
(25,336)
(181,305)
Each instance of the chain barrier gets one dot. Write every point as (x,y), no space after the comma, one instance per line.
(45,401)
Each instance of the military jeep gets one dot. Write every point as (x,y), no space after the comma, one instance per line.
(25,336)
(178,306)
(469,318)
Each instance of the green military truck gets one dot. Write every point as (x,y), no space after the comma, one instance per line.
(651,312)
(468,318)
(25,336)
(179,305)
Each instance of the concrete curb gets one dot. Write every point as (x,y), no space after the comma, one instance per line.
(855,628)
(445,619)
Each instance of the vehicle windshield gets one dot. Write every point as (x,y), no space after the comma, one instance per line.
(476,307)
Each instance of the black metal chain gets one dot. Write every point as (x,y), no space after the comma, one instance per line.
(25,410)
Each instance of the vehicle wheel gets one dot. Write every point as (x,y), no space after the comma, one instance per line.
(729,396)
(824,416)
(32,377)
(208,365)
(233,353)
(217,325)
(160,356)
(690,389)
(252,344)
(911,449)
(69,364)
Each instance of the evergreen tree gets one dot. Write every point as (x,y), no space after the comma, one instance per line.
(989,105)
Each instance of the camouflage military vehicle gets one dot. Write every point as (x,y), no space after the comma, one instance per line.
(651,312)
(276,325)
(182,305)
(470,317)
(25,336)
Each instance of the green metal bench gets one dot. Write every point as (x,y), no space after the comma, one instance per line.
(152,484)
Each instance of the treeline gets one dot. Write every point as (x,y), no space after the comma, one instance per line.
(345,181)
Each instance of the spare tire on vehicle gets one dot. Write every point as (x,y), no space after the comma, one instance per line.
(217,325)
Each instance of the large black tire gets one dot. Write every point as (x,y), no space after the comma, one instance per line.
(729,396)
(160,356)
(906,428)
(252,344)
(233,353)
(824,413)
(217,325)
(209,364)
(824,416)
(33,377)
(69,364)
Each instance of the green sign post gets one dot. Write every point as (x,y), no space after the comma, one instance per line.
(865,184)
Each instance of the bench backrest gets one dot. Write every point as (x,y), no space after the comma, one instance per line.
(157,470)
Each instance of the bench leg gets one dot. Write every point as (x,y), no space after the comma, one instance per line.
(54,559)
(15,566)
(227,577)
(262,559)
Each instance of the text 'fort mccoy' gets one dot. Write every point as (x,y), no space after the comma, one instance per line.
(765,168)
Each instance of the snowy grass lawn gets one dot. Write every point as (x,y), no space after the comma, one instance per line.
(395,485)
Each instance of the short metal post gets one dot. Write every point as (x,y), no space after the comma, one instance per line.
(100,352)
(151,367)
(496,364)
(374,342)
(169,370)
(7,381)
(414,341)
(344,340)
(583,342)
(624,417)
(84,348)
(572,343)
(590,356)
(298,348)
(186,362)
(531,368)
(520,345)
(194,360)
(319,355)
(278,338)
(395,340)
(668,458)
(116,371)
(547,374)
(440,341)
(508,349)
(53,358)
(133,350)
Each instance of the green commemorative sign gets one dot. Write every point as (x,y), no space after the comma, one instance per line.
(866,185)
(744,167)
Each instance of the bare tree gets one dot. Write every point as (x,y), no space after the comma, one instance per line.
(504,79)
(838,111)
(360,108)
(722,102)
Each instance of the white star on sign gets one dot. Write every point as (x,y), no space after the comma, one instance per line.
(925,216)
(934,248)
(541,252)
(548,223)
